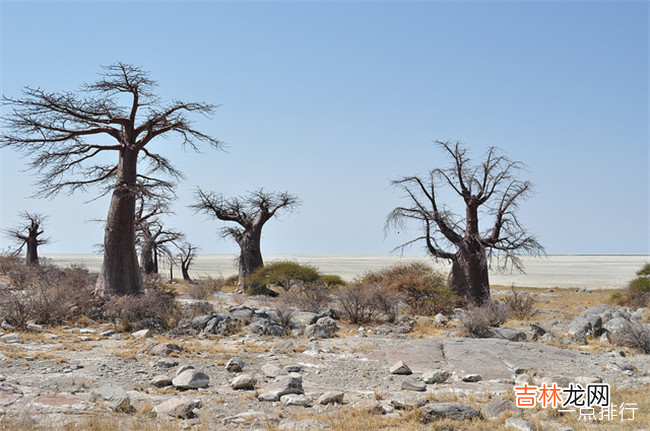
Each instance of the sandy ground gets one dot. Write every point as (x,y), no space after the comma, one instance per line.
(565,271)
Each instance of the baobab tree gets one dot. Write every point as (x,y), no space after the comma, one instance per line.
(29,235)
(251,212)
(187,253)
(489,189)
(55,129)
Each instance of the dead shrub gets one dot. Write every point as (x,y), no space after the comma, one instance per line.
(521,304)
(387,301)
(358,302)
(198,308)
(423,289)
(48,295)
(309,297)
(478,320)
(204,288)
(155,309)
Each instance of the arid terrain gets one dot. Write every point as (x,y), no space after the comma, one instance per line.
(321,372)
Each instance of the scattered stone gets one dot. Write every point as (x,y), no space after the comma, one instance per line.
(10,338)
(510,334)
(496,408)
(235,365)
(325,327)
(34,327)
(162,349)
(143,333)
(370,406)
(401,401)
(161,381)
(7,326)
(191,379)
(243,382)
(284,346)
(167,363)
(290,384)
(414,383)
(435,376)
(113,396)
(331,397)
(176,407)
(107,333)
(400,368)
(471,378)
(519,424)
(440,319)
(183,368)
(297,400)
(457,411)
(271,370)
(304,425)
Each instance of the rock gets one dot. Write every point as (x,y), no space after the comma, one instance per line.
(297,400)
(304,425)
(7,326)
(235,365)
(161,380)
(510,334)
(471,378)
(242,312)
(183,368)
(414,383)
(10,338)
(496,408)
(325,327)
(271,370)
(107,333)
(402,402)
(113,396)
(244,381)
(222,324)
(143,333)
(167,363)
(370,406)
(519,424)
(284,346)
(162,349)
(176,407)
(457,411)
(292,368)
(331,397)
(435,376)
(191,379)
(34,327)
(440,319)
(400,368)
(617,329)
(290,384)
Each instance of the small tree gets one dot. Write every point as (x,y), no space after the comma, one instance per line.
(29,236)
(284,274)
(250,212)
(55,129)
(490,188)
(187,253)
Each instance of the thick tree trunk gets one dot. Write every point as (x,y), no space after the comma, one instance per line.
(185,266)
(120,273)
(147,259)
(469,273)
(32,251)
(250,257)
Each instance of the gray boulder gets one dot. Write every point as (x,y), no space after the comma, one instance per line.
(510,334)
(176,407)
(496,408)
(113,397)
(331,397)
(290,384)
(456,411)
(617,328)
(161,380)
(400,367)
(296,400)
(414,383)
(244,381)
(435,376)
(325,327)
(191,379)
(519,424)
(235,365)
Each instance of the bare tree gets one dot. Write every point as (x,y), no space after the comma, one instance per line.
(54,129)
(29,235)
(489,189)
(187,253)
(250,212)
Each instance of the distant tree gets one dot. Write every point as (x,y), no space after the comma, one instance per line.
(53,128)
(491,187)
(251,212)
(284,274)
(28,235)
(187,253)
(152,236)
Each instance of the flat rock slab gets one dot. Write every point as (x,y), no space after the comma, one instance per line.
(491,358)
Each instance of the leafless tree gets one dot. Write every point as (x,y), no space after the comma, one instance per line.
(55,129)
(251,212)
(187,253)
(29,235)
(489,189)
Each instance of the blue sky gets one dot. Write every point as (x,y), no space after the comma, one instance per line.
(333,100)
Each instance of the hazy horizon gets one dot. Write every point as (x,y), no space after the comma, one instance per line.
(595,271)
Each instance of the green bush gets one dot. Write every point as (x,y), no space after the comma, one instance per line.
(637,294)
(284,274)
(331,280)
(424,290)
